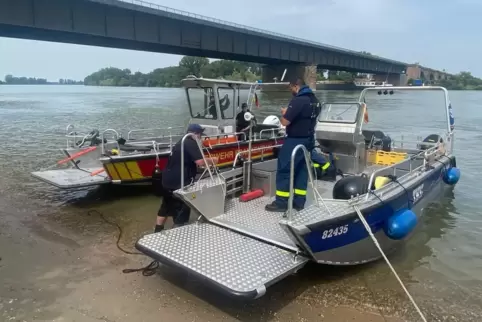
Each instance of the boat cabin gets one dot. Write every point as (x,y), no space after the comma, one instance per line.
(215,103)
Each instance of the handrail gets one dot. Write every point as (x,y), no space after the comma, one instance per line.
(310,178)
(71,134)
(269,130)
(182,157)
(255,149)
(103,136)
(292,177)
(425,154)
(257,30)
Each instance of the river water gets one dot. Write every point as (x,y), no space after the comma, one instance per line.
(441,264)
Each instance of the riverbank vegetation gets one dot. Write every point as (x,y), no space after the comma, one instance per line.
(172,76)
(12,80)
(220,69)
(461,81)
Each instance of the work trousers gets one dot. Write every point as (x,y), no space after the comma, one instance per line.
(300,172)
(174,207)
(320,164)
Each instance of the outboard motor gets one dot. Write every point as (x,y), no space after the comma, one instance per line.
(377,140)
(272,120)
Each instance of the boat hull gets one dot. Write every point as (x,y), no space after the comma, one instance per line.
(136,169)
(345,241)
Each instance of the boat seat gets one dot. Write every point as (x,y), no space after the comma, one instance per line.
(368,134)
(133,148)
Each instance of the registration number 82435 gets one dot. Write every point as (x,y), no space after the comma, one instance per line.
(332,232)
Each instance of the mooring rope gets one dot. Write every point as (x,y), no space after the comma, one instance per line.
(375,241)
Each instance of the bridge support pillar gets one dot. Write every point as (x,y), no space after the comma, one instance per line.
(273,73)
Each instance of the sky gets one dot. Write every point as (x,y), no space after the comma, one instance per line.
(437,34)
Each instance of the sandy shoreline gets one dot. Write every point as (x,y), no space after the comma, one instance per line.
(64,266)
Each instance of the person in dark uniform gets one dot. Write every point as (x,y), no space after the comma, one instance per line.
(171,178)
(242,126)
(299,118)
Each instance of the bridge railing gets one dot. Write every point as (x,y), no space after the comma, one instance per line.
(232,24)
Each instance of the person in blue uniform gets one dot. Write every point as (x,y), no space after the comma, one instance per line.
(300,119)
(171,178)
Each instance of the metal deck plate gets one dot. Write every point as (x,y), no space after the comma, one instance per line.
(200,184)
(239,265)
(251,218)
(314,213)
(71,178)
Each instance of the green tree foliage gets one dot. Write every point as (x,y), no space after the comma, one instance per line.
(193,65)
(172,76)
(341,76)
(12,80)
(461,81)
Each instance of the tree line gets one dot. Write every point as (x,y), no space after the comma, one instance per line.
(460,81)
(225,69)
(12,80)
(172,76)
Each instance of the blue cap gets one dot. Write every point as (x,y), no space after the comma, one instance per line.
(195,128)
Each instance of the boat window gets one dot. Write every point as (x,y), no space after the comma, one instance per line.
(226,102)
(201,103)
(339,113)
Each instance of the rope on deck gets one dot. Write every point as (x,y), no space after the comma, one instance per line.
(375,241)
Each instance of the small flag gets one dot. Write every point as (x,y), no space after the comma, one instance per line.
(365,113)
(256,102)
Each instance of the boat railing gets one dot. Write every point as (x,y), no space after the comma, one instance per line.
(182,158)
(262,149)
(412,142)
(73,136)
(272,131)
(448,106)
(103,138)
(427,156)
(316,194)
(161,131)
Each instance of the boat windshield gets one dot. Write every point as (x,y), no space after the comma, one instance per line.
(226,102)
(201,103)
(339,113)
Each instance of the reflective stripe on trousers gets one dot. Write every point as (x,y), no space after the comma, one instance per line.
(324,167)
(286,194)
(300,172)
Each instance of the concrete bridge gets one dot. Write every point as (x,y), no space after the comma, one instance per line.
(138,25)
(428,75)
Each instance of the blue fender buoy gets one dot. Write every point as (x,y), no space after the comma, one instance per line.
(400,224)
(452,176)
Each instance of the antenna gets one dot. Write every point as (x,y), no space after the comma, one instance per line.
(284,74)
